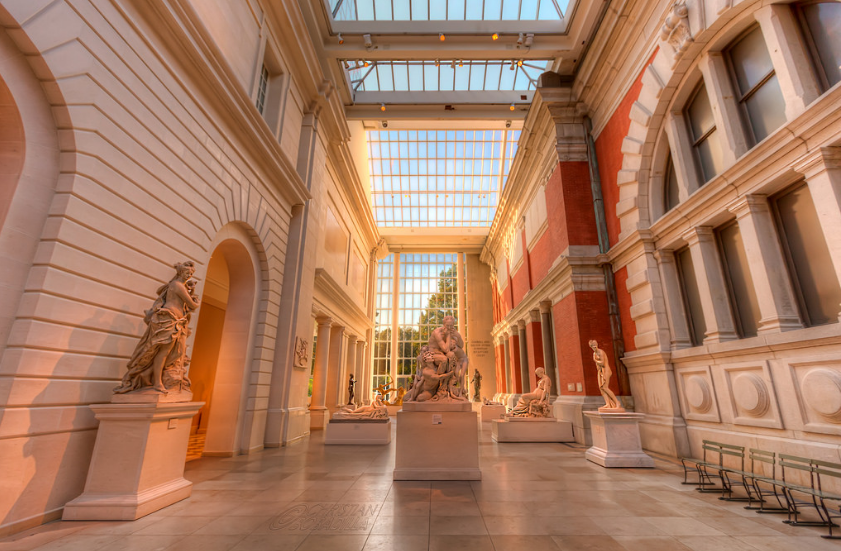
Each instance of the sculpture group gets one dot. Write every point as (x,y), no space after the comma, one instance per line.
(377,410)
(160,362)
(441,367)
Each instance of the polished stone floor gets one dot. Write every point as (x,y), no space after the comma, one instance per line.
(532,497)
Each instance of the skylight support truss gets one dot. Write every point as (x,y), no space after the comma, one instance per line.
(448,10)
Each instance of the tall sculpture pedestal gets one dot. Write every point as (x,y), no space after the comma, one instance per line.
(437,442)
(616,440)
(138,459)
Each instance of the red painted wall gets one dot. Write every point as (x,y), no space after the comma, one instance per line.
(623,297)
(609,154)
(579,317)
(534,340)
(541,258)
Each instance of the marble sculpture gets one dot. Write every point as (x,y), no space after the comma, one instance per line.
(477,385)
(535,403)
(487,402)
(442,364)
(603,365)
(350,384)
(160,362)
(377,410)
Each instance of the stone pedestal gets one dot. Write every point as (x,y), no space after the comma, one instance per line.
(489,413)
(358,431)
(531,429)
(437,444)
(138,460)
(616,440)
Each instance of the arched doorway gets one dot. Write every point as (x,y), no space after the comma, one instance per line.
(221,350)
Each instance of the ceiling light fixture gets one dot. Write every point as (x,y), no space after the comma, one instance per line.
(437,63)
(511,107)
(368,41)
(441,37)
(365,63)
(519,63)
(341,40)
(453,64)
(382,107)
(347,65)
(495,36)
(460,63)
(513,64)
(529,40)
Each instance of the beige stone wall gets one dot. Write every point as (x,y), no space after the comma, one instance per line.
(141,116)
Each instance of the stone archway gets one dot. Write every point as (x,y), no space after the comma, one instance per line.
(222,348)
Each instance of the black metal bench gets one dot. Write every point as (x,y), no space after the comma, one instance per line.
(813,494)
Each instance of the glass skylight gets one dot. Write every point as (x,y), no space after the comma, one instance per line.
(448,10)
(450,75)
(438,178)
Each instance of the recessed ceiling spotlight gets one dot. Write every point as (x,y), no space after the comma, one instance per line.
(341,40)
(441,37)
(495,36)
(511,107)
(382,107)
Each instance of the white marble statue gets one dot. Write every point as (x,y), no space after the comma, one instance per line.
(487,402)
(160,360)
(603,365)
(377,410)
(535,403)
(441,366)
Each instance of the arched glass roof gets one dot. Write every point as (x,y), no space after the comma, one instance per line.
(448,10)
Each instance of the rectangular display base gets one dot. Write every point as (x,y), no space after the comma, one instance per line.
(616,440)
(531,429)
(357,432)
(489,413)
(437,446)
(138,459)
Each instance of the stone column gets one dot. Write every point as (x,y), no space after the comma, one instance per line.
(792,62)
(335,367)
(767,264)
(318,410)
(712,288)
(524,357)
(509,379)
(675,310)
(548,350)
(360,373)
(823,176)
(350,367)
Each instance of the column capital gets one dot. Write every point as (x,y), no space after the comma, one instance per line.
(324,321)
(534,316)
(545,306)
(697,234)
(665,256)
(747,204)
(825,158)
(521,325)
(506,335)
(352,338)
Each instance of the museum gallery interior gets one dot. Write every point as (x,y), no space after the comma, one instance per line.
(346,275)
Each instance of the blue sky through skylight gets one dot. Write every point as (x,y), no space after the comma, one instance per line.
(448,10)
(438,178)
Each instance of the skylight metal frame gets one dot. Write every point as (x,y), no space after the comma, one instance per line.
(536,7)
(509,77)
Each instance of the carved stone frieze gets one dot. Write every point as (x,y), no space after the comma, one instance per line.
(675,30)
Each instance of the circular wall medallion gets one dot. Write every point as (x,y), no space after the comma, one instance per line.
(751,394)
(698,394)
(821,389)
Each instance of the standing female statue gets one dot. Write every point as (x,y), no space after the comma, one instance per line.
(163,347)
(603,365)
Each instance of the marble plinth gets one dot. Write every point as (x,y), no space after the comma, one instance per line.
(319,418)
(531,429)
(138,459)
(437,406)
(358,431)
(616,440)
(489,413)
(437,445)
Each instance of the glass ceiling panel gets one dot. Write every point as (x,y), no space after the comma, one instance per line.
(438,178)
(448,10)
(437,76)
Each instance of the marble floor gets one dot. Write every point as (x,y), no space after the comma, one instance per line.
(532,497)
